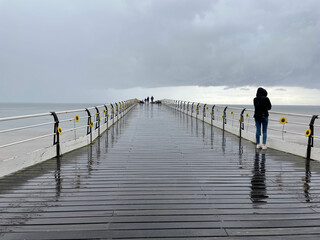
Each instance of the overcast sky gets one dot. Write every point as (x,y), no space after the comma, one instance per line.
(208,50)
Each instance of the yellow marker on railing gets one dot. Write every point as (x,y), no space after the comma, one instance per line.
(76,118)
(59,129)
(307,133)
(91,124)
(283,120)
(231,113)
(207,108)
(104,111)
(247,116)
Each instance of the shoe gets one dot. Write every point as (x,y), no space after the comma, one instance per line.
(264,147)
(258,146)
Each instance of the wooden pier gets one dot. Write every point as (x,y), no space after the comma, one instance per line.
(159,174)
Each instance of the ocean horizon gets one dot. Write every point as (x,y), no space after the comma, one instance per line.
(17,109)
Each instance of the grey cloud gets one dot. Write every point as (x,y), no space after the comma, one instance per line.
(123,44)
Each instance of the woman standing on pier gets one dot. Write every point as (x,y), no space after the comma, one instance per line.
(261,106)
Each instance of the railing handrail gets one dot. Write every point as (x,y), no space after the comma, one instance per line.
(295,124)
(56,121)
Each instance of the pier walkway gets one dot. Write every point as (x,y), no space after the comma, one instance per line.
(159,174)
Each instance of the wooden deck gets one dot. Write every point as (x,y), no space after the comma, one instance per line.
(159,174)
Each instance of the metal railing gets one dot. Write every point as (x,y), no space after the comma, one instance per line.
(301,129)
(60,126)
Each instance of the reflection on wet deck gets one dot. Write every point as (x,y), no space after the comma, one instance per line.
(161,174)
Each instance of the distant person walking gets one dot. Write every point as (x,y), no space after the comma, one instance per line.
(261,106)
(152,99)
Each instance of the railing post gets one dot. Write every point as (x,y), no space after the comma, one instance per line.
(204,111)
(197,110)
(241,122)
(112,113)
(122,107)
(310,138)
(89,126)
(192,109)
(212,114)
(56,137)
(97,120)
(117,110)
(106,114)
(224,117)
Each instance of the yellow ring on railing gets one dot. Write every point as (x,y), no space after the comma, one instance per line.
(207,108)
(59,129)
(231,113)
(108,115)
(76,118)
(247,116)
(104,111)
(199,106)
(239,120)
(307,133)
(91,124)
(283,120)
(222,116)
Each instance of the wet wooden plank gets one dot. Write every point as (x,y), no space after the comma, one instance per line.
(159,174)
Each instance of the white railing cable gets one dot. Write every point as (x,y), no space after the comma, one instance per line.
(26,127)
(27,140)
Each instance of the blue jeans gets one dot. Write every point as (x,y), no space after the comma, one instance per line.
(264,123)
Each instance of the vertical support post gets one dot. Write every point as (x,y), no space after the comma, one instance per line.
(212,114)
(106,114)
(89,125)
(204,111)
(310,138)
(117,110)
(56,137)
(197,110)
(241,123)
(224,118)
(112,113)
(98,121)
(192,108)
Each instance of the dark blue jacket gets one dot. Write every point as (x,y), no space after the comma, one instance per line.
(261,104)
